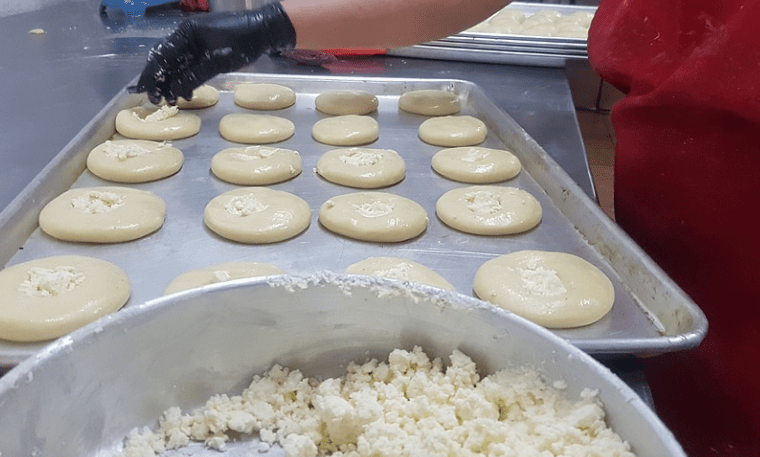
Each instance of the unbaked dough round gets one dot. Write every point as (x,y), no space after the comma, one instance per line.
(257,215)
(47,298)
(452,131)
(164,123)
(203,97)
(476,165)
(222,272)
(256,165)
(365,168)
(134,161)
(255,128)
(489,210)
(374,216)
(429,102)
(553,289)
(107,214)
(348,130)
(400,269)
(264,96)
(346,101)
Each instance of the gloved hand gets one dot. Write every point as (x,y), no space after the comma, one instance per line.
(203,47)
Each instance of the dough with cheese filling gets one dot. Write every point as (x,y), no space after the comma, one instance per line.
(222,272)
(108,214)
(476,165)
(365,168)
(553,289)
(348,130)
(264,96)
(489,210)
(346,101)
(255,128)
(257,215)
(50,297)
(157,123)
(401,269)
(134,161)
(429,102)
(452,131)
(374,216)
(256,165)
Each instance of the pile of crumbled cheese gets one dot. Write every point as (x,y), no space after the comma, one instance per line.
(407,406)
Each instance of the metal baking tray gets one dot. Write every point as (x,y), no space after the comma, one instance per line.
(650,315)
(505,48)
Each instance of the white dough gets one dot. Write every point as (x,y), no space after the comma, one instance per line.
(222,272)
(203,97)
(257,215)
(255,128)
(347,130)
(159,124)
(489,210)
(108,214)
(134,161)
(452,131)
(256,165)
(401,269)
(264,96)
(365,168)
(50,297)
(429,102)
(553,289)
(346,101)
(374,216)
(476,165)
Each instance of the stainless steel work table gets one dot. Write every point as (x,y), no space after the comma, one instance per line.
(55,83)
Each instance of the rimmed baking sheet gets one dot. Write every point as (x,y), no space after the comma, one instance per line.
(650,315)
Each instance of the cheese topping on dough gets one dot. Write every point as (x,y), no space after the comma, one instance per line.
(257,152)
(400,272)
(475,154)
(124,151)
(360,157)
(161,114)
(374,209)
(46,282)
(245,205)
(221,276)
(483,202)
(540,281)
(96,202)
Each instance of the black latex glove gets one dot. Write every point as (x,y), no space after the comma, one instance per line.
(203,47)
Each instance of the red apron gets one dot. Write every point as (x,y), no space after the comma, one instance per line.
(687,189)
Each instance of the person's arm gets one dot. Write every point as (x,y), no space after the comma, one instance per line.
(330,24)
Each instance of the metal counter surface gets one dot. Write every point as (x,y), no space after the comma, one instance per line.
(55,83)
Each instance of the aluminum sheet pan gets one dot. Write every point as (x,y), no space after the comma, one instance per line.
(650,315)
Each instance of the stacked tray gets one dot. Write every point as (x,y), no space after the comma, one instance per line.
(650,314)
(471,46)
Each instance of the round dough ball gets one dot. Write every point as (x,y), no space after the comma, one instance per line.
(264,96)
(476,165)
(489,210)
(50,297)
(400,269)
(160,124)
(429,102)
(222,272)
(106,214)
(256,165)
(255,128)
(342,102)
(134,161)
(203,97)
(364,168)
(257,215)
(348,130)
(553,289)
(374,216)
(451,131)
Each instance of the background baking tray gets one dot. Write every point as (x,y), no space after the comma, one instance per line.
(650,315)
(505,48)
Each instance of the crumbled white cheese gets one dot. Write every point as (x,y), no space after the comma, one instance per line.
(251,153)
(161,114)
(483,202)
(373,209)
(408,406)
(221,275)
(360,157)
(540,281)
(245,205)
(97,202)
(399,271)
(47,282)
(124,151)
(475,155)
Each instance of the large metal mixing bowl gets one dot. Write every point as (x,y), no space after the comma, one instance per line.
(85,392)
